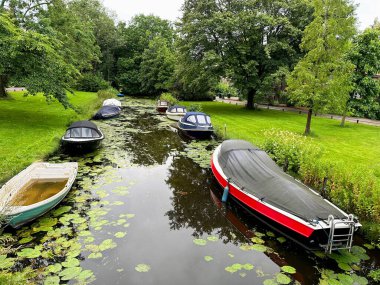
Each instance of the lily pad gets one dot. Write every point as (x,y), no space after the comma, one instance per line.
(70,273)
(95,255)
(259,247)
(281,239)
(257,240)
(208,258)
(270,282)
(25,240)
(288,269)
(212,238)
(29,253)
(85,274)
(248,266)
(233,268)
(107,244)
(142,267)
(200,242)
(344,266)
(54,268)
(61,210)
(5,262)
(71,262)
(283,279)
(52,280)
(48,222)
(120,234)
(270,234)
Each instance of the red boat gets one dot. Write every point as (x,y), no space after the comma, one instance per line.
(254,180)
(162,106)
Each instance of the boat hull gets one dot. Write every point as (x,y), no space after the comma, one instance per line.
(194,132)
(88,145)
(174,116)
(161,109)
(307,234)
(17,216)
(18,220)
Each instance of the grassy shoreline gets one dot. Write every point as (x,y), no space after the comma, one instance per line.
(30,128)
(349,155)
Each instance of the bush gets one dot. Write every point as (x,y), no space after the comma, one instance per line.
(223,89)
(107,93)
(355,190)
(91,83)
(194,108)
(168,97)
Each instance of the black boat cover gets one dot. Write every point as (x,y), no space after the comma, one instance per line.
(255,172)
(107,112)
(83,124)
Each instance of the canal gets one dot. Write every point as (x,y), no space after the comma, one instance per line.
(145,209)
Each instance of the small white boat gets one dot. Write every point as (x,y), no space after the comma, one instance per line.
(176,112)
(112,102)
(36,190)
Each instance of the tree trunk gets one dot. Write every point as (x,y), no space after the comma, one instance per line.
(308,123)
(343,118)
(250,97)
(3,85)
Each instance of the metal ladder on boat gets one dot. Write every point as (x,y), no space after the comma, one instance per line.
(340,241)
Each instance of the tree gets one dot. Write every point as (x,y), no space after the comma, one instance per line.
(321,80)
(157,67)
(365,55)
(30,59)
(250,39)
(134,39)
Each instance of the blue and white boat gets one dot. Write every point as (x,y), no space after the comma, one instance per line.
(196,125)
(35,190)
(175,112)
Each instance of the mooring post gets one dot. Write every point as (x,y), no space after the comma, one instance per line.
(225,131)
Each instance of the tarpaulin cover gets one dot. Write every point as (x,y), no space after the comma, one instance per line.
(83,124)
(256,173)
(107,112)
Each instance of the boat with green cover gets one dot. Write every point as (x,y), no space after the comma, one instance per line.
(35,190)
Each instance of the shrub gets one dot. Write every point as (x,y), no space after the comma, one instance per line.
(168,97)
(195,108)
(91,83)
(107,93)
(224,89)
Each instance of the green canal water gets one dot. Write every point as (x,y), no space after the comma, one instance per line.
(145,209)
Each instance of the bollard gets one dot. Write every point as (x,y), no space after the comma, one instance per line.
(331,117)
(357,121)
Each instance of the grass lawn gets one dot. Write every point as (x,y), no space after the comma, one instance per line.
(355,144)
(30,128)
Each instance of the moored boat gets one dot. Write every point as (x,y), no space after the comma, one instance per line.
(162,106)
(35,190)
(254,180)
(196,125)
(83,135)
(175,112)
(112,102)
(107,112)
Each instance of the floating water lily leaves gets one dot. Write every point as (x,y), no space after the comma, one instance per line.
(29,253)
(107,244)
(25,240)
(47,222)
(257,240)
(120,234)
(85,274)
(61,210)
(259,247)
(208,258)
(142,267)
(71,262)
(70,273)
(54,268)
(281,239)
(5,262)
(95,255)
(270,282)
(344,266)
(288,269)
(212,238)
(52,280)
(234,268)
(283,279)
(200,242)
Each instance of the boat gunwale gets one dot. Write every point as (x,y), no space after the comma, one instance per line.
(15,210)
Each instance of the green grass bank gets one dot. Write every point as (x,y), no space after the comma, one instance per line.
(31,128)
(348,156)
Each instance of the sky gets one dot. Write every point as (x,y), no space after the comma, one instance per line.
(367,11)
